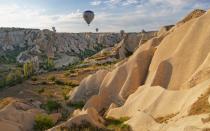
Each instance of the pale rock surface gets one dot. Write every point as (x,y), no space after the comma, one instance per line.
(88,87)
(89,116)
(64,48)
(163,79)
(16,115)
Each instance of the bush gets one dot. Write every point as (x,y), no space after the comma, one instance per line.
(41,90)
(44,83)
(66,74)
(70,83)
(77,105)
(52,78)
(84,126)
(59,82)
(43,122)
(51,106)
(33,78)
(13,78)
(118,124)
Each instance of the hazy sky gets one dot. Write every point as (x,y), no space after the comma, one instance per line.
(111,15)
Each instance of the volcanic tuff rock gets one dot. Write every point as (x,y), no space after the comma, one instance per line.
(64,48)
(25,45)
(164,85)
(17,115)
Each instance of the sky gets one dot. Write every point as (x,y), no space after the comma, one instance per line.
(110,15)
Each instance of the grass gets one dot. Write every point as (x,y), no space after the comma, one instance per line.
(51,78)
(51,106)
(65,93)
(43,122)
(117,124)
(85,126)
(44,82)
(77,105)
(67,83)
(66,74)
(5,102)
(41,90)
(33,78)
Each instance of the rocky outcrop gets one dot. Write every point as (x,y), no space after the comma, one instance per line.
(88,87)
(82,120)
(17,115)
(194,14)
(164,85)
(132,41)
(64,48)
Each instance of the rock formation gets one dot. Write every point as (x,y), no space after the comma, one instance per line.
(17,115)
(164,85)
(63,48)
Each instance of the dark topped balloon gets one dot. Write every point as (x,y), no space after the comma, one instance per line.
(88,16)
(97,29)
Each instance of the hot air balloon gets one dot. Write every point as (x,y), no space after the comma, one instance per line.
(88,16)
(122,32)
(97,29)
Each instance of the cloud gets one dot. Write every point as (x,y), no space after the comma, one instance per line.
(13,15)
(129,2)
(130,15)
(96,2)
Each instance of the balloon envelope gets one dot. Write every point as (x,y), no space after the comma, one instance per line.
(88,16)
(97,29)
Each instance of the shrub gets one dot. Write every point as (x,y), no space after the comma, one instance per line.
(70,83)
(77,105)
(13,78)
(44,83)
(66,74)
(43,122)
(84,126)
(41,90)
(118,124)
(33,78)
(59,82)
(51,106)
(28,69)
(52,78)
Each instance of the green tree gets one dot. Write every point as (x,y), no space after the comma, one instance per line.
(10,79)
(25,70)
(18,76)
(50,64)
(2,82)
(28,69)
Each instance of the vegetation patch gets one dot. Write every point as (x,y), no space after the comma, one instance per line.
(51,106)
(5,102)
(65,93)
(77,105)
(165,118)
(11,78)
(117,124)
(201,106)
(84,126)
(41,90)
(33,78)
(43,122)
(67,83)
(51,78)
